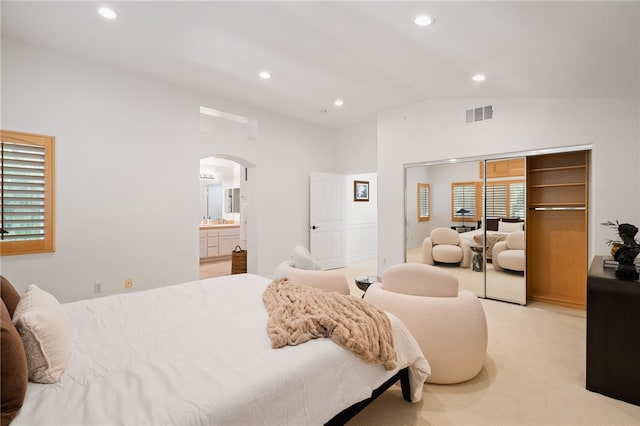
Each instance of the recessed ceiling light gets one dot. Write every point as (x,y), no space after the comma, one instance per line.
(107,13)
(338,102)
(265,75)
(423,20)
(479,77)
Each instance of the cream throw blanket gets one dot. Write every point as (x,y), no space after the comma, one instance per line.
(299,313)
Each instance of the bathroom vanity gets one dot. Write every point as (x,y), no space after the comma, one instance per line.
(217,241)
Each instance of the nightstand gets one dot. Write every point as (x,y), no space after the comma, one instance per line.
(462,229)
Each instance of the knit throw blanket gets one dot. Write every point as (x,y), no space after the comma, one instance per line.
(299,313)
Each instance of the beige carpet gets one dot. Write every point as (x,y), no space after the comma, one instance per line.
(534,374)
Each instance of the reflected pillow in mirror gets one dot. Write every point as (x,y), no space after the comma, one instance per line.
(510,226)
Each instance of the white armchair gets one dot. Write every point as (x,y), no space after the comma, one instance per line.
(302,269)
(449,326)
(509,254)
(445,245)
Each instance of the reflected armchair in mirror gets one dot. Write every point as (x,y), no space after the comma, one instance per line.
(509,254)
(444,245)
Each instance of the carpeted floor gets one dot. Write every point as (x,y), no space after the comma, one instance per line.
(534,374)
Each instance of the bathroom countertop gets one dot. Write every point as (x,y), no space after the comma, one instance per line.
(220,226)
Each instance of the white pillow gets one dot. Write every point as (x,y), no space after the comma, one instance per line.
(45,329)
(302,258)
(282,270)
(510,226)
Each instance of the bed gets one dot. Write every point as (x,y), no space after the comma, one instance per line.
(198,353)
(497,230)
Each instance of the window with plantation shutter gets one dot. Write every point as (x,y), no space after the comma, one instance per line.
(465,201)
(424,202)
(26,192)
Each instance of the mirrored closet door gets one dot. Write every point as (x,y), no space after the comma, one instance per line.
(503,226)
(483,201)
(524,217)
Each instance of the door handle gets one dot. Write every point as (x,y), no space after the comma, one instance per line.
(315,227)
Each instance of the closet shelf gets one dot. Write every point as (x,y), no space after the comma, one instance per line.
(577,204)
(549,169)
(556,207)
(555,185)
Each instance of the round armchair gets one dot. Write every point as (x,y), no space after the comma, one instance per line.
(302,269)
(449,326)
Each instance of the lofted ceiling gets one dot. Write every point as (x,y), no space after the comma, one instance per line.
(369,54)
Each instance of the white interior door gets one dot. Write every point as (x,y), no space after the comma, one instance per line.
(327,219)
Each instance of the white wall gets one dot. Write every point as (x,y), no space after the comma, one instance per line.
(435,130)
(356,157)
(127,164)
(362,220)
(417,231)
(356,149)
(439,178)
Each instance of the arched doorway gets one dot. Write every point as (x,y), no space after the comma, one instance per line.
(224,195)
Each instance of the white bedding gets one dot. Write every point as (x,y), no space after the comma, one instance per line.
(199,353)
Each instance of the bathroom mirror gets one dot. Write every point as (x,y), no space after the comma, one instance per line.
(219,189)
(213,201)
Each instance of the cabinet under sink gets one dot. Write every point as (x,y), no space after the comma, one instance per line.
(218,241)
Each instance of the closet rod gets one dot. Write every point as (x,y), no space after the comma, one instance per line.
(556,208)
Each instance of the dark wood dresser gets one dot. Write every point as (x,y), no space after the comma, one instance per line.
(613,334)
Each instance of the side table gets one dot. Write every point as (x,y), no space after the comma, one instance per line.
(363,282)
(477,258)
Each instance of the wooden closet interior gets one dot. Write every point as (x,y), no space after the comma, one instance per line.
(557,211)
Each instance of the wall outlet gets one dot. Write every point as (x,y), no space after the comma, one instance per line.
(97,287)
(128,283)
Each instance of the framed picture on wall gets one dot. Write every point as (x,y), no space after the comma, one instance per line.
(360,190)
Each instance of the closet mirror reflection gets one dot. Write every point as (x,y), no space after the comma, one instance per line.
(483,201)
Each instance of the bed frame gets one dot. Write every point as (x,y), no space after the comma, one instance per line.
(492,222)
(348,413)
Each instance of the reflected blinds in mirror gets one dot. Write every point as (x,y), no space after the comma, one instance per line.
(465,198)
(505,199)
(516,200)
(496,200)
(424,202)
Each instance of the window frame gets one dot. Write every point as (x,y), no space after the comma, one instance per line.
(46,244)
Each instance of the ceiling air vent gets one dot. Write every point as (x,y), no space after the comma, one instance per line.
(479,114)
